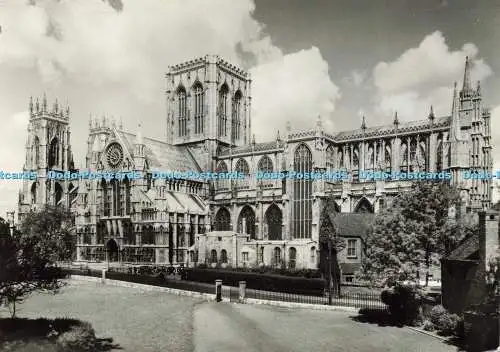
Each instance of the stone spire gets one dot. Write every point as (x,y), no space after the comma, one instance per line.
(396,120)
(431,114)
(455,129)
(466,87)
(363,123)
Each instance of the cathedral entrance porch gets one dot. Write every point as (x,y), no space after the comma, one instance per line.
(112,251)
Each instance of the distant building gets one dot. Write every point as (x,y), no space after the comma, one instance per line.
(241,221)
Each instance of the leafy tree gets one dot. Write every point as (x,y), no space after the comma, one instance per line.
(415,231)
(328,236)
(29,257)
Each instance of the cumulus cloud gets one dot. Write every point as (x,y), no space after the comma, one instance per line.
(424,76)
(111,55)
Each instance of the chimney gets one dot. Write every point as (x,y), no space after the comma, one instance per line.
(488,236)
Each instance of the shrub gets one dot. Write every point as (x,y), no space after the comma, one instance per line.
(79,338)
(444,322)
(428,325)
(404,303)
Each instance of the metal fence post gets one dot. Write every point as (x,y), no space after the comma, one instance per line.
(243,286)
(218,290)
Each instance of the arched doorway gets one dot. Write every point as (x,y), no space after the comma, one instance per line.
(112,249)
(274,220)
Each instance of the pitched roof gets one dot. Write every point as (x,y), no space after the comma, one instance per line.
(249,148)
(162,156)
(466,249)
(354,224)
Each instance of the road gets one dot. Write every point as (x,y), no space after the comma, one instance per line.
(228,327)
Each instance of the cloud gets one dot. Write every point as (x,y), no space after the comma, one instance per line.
(111,55)
(424,76)
(356,78)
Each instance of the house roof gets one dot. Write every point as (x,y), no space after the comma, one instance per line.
(354,224)
(466,249)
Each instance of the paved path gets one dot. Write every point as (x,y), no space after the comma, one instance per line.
(227,327)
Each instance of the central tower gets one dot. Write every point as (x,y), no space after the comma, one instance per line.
(208,105)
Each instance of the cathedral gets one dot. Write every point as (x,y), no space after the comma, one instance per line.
(245,221)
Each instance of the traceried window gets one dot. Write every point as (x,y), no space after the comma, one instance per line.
(246,222)
(277,256)
(199,108)
(223,220)
(33,193)
(182,111)
(54,153)
(404,157)
(236,121)
(223,110)
(265,166)
(222,183)
(330,159)
(302,194)
(36,152)
(439,154)
(243,170)
(223,256)
(388,159)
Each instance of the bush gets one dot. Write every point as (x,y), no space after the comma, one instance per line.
(404,303)
(78,338)
(258,281)
(444,322)
(428,325)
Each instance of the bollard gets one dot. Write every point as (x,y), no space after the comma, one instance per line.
(243,286)
(218,290)
(103,278)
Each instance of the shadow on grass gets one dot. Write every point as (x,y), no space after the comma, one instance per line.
(381,317)
(61,334)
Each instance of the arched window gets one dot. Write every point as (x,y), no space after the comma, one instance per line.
(274,221)
(439,154)
(222,183)
(422,157)
(265,166)
(72,192)
(302,194)
(330,159)
(404,157)
(413,155)
(54,153)
(36,152)
(223,220)
(223,256)
(148,235)
(364,206)
(58,193)
(246,222)
(355,164)
(388,159)
(128,191)
(371,158)
(115,187)
(235,121)
(106,198)
(182,111)
(33,193)
(277,256)
(243,170)
(199,108)
(213,256)
(223,112)
(340,159)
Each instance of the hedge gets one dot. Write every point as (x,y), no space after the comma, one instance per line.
(257,281)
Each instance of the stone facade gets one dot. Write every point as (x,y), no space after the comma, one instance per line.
(255,221)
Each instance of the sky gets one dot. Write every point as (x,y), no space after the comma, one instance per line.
(340,59)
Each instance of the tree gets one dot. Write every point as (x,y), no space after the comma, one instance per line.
(415,231)
(29,257)
(330,245)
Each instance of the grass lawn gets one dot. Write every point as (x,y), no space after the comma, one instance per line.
(135,320)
